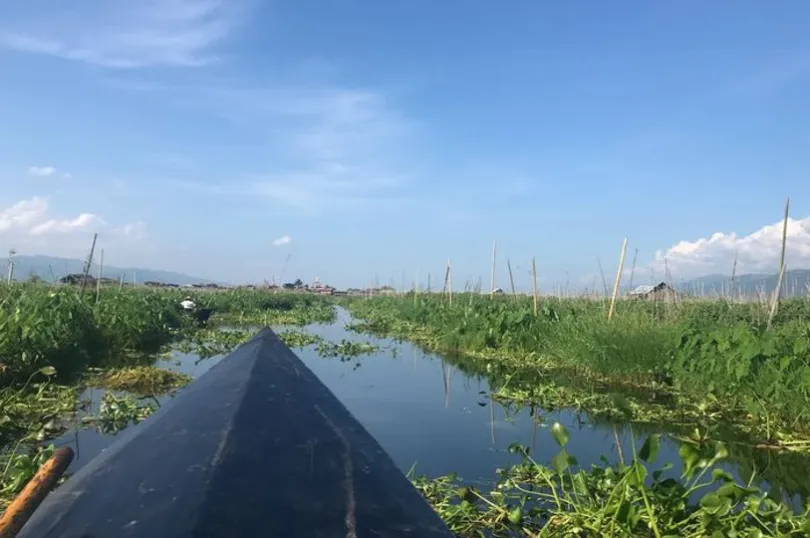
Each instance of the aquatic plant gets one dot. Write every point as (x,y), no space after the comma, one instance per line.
(562,499)
(117,412)
(139,380)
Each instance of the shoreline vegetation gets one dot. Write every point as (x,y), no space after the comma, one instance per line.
(724,381)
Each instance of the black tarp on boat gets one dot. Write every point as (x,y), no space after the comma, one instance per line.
(257,446)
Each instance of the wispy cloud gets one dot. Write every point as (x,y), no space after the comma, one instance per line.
(82,222)
(756,252)
(284,240)
(42,171)
(345,148)
(121,34)
(331,147)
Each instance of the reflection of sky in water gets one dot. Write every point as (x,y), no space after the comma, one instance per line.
(426,413)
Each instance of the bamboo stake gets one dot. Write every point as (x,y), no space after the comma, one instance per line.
(89,262)
(492,273)
(23,506)
(618,279)
(534,285)
(511,278)
(777,292)
(449,280)
(98,280)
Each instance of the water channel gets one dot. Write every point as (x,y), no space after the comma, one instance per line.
(427,413)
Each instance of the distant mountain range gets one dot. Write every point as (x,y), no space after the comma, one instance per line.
(795,283)
(51,268)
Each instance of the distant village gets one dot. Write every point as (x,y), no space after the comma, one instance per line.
(659,292)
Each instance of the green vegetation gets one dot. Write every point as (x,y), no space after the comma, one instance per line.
(696,363)
(54,341)
(530,499)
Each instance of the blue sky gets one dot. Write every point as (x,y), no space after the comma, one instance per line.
(376,138)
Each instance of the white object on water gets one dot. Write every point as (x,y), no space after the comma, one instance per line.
(188,304)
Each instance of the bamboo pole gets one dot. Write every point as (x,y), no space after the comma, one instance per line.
(511,278)
(492,273)
(89,263)
(534,285)
(24,505)
(98,280)
(778,290)
(618,279)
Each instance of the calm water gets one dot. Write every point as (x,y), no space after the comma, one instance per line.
(427,413)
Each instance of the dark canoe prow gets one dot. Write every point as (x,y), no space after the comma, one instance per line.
(257,446)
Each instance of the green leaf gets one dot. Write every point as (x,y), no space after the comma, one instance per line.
(516,515)
(560,434)
(560,461)
(649,451)
(48,371)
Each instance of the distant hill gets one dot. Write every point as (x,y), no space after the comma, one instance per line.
(796,283)
(49,268)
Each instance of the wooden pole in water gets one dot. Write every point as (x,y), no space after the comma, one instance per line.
(511,278)
(618,279)
(778,290)
(24,505)
(492,273)
(98,280)
(534,285)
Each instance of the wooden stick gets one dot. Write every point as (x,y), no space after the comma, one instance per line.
(449,283)
(89,262)
(618,279)
(98,280)
(492,273)
(511,278)
(23,506)
(778,291)
(534,285)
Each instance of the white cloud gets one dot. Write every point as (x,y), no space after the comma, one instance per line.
(23,214)
(82,222)
(284,240)
(756,252)
(32,227)
(41,171)
(121,34)
(67,175)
